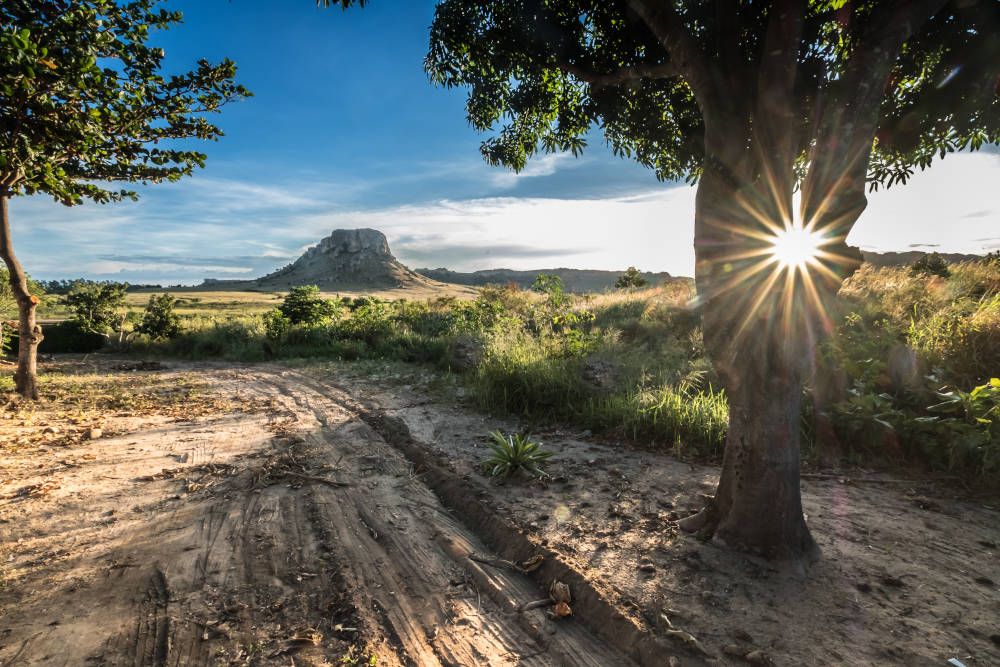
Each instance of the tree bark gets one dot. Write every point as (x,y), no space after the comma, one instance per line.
(758,335)
(29,331)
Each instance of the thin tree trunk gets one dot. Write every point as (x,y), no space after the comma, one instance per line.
(29,331)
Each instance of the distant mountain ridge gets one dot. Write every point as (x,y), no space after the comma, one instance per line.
(910,256)
(360,259)
(574,280)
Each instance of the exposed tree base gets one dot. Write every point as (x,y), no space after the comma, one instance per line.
(708,525)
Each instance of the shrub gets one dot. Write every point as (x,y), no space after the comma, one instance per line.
(276,325)
(159,319)
(304,305)
(70,336)
(931,264)
(98,306)
(631,278)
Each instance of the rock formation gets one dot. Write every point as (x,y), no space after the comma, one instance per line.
(349,259)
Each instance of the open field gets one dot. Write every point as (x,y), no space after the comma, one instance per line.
(334,513)
(208,302)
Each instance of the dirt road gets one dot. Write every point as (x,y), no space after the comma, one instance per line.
(334,514)
(292,534)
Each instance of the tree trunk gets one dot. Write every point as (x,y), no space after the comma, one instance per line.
(760,338)
(29,331)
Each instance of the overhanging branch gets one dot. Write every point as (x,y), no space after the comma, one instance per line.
(622,75)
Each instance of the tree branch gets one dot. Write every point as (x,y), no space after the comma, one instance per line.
(833,194)
(621,75)
(691,63)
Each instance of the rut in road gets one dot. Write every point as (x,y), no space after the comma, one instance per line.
(404,557)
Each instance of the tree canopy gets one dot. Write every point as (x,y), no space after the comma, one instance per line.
(541,73)
(84,100)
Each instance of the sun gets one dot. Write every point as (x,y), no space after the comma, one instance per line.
(796,247)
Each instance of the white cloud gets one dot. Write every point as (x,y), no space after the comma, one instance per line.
(954,206)
(545,165)
(653,231)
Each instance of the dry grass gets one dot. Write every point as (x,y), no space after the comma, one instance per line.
(78,398)
(209,302)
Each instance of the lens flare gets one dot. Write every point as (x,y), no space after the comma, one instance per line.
(796,247)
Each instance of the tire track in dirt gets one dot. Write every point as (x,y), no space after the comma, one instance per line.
(406,551)
(608,636)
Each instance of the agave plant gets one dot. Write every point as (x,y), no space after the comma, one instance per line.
(512,453)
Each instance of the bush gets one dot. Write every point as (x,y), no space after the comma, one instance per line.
(304,305)
(931,264)
(70,336)
(631,278)
(98,306)
(276,325)
(159,319)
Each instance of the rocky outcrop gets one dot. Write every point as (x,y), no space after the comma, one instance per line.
(346,259)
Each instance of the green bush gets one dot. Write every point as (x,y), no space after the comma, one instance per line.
(931,264)
(305,305)
(98,306)
(630,279)
(159,319)
(70,336)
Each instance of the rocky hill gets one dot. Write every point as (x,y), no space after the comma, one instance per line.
(574,280)
(348,259)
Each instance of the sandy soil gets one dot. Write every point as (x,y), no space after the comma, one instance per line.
(282,530)
(335,515)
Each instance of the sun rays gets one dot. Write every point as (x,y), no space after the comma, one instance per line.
(796,246)
(777,273)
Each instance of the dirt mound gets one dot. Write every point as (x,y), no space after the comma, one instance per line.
(346,259)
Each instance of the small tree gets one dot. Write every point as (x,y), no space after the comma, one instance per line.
(631,278)
(305,305)
(931,264)
(159,319)
(99,307)
(84,101)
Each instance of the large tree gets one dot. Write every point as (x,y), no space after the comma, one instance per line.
(84,102)
(751,100)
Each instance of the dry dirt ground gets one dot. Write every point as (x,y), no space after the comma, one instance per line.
(334,514)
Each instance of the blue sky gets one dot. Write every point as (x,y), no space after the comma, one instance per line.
(345,131)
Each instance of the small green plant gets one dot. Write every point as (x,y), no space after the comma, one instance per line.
(515,453)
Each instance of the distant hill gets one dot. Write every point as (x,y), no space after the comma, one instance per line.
(348,259)
(574,280)
(909,257)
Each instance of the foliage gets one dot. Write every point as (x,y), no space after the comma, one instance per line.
(71,336)
(305,305)
(540,75)
(630,279)
(85,100)
(159,319)
(98,307)
(931,264)
(8,305)
(276,324)
(636,368)
(515,453)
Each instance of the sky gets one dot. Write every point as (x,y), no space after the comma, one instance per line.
(345,131)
